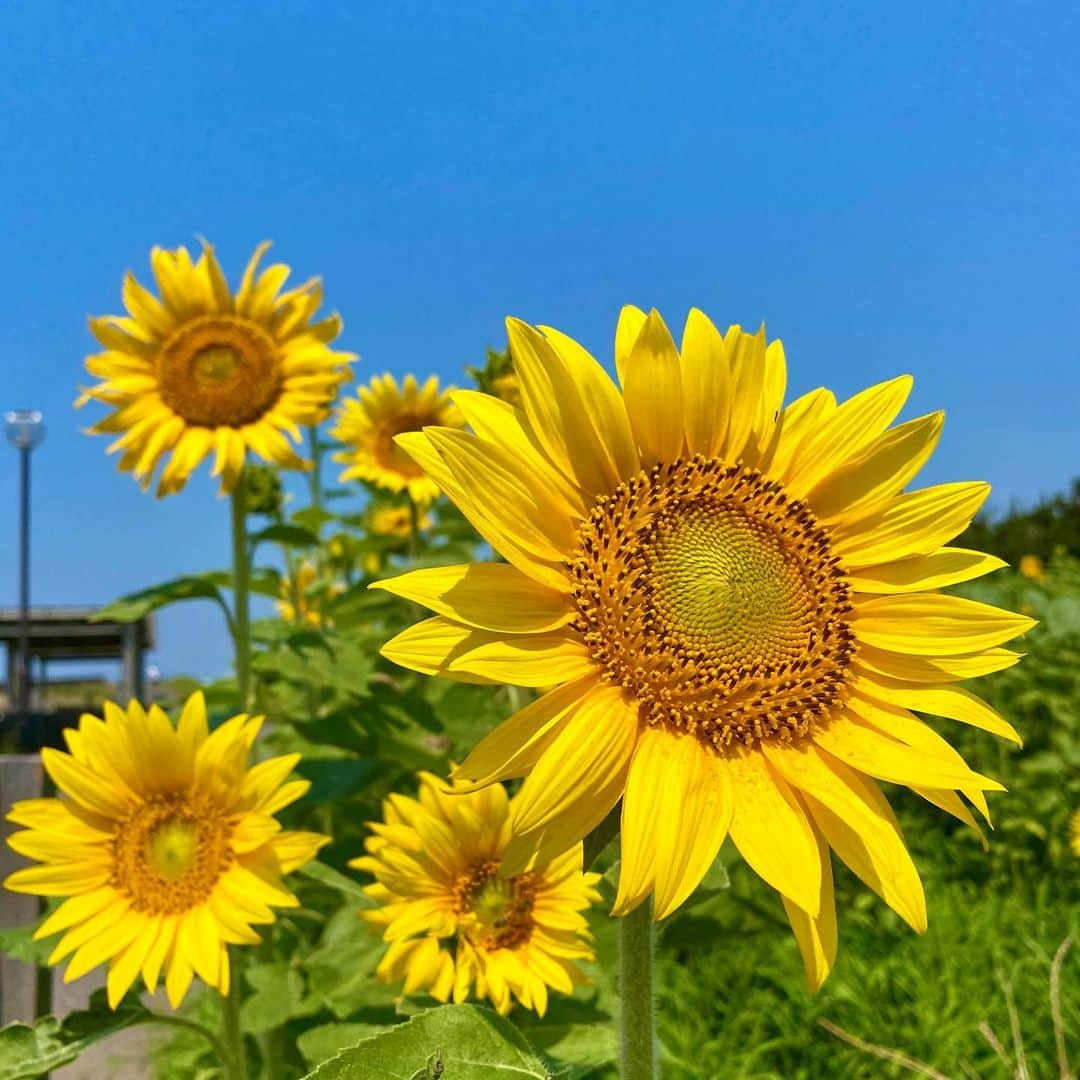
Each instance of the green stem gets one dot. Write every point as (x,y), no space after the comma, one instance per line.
(241,593)
(220,1050)
(637,1020)
(235,1055)
(414,528)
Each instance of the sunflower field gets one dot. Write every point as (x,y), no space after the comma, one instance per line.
(599,718)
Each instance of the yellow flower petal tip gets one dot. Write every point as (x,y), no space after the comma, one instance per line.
(165,847)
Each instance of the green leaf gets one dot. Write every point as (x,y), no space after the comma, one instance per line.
(575,1033)
(138,605)
(322,1042)
(333,779)
(342,969)
(27,1051)
(291,535)
(327,875)
(278,996)
(455,1042)
(18,943)
(597,841)
(313,517)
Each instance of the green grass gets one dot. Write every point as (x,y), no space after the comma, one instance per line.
(731,996)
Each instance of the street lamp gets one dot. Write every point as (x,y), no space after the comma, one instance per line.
(25,431)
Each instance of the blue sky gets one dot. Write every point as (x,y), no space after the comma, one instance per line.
(891,187)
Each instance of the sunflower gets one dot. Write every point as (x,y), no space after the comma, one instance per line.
(369,424)
(396,521)
(295,604)
(737,605)
(452,921)
(1031,566)
(1075,833)
(202,369)
(165,846)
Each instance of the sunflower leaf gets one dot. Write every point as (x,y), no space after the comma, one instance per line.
(138,605)
(465,1042)
(27,1051)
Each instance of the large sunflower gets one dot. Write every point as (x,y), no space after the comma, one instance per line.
(202,369)
(165,846)
(738,601)
(369,423)
(452,922)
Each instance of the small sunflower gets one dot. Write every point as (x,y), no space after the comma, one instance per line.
(396,521)
(1075,833)
(295,604)
(369,423)
(737,603)
(165,846)
(1031,566)
(452,921)
(202,369)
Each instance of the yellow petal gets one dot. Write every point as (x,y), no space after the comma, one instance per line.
(490,476)
(771,830)
(498,422)
(652,390)
(590,752)
(675,816)
(706,381)
(748,368)
(631,320)
(952,804)
(125,967)
(915,523)
(873,664)
(852,821)
(845,434)
(797,422)
(440,647)
(948,566)
(871,752)
(516,745)
(602,406)
(864,485)
(489,596)
(553,403)
(816,936)
(935,624)
(951,702)
(485,519)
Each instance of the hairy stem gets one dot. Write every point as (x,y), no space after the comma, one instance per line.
(236,1056)
(637,1020)
(241,593)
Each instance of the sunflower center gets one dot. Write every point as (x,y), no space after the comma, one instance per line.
(390,455)
(169,855)
(714,599)
(495,913)
(219,371)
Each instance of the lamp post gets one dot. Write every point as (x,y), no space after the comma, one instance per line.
(25,431)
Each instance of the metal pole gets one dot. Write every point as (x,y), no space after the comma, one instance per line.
(23,666)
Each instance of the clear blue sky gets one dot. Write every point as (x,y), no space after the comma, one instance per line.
(891,187)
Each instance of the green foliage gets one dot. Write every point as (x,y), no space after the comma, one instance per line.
(28,1051)
(462,1042)
(138,605)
